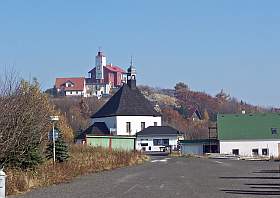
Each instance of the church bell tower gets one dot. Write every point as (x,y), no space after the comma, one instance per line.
(131,76)
(100,63)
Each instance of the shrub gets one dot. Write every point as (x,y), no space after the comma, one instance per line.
(82,160)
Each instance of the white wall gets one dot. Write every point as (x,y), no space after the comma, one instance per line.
(245,147)
(135,123)
(173,140)
(74,93)
(100,62)
(105,89)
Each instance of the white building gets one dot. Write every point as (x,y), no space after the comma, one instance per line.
(157,138)
(97,89)
(249,134)
(71,86)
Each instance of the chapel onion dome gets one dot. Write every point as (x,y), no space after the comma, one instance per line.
(131,76)
(131,70)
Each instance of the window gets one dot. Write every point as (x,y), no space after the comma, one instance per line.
(144,139)
(70,92)
(157,142)
(165,142)
(77,92)
(128,127)
(161,142)
(235,151)
(144,144)
(255,152)
(142,125)
(155,123)
(265,151)
(273,131)
(68,85)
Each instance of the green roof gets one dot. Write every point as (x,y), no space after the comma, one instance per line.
(248,126)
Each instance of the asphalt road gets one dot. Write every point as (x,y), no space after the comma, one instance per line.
(174,177)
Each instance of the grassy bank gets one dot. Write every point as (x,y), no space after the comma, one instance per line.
(83,160)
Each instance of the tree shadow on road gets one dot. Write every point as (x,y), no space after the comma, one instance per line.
(262,184)
(257,187)
(267,171)
(249,177)
(265,187)
(251,192)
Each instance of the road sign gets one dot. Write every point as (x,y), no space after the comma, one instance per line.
(55,134)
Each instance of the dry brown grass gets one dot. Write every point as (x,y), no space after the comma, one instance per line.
(84,160)
(175,154)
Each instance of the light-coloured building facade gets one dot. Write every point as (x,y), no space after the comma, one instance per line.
(255,134)
(71,86)
(156,143)
(264,148)
(74,93)
(128,125)
(98,90)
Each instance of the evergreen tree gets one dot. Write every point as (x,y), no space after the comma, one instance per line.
(31,159)
(61,149)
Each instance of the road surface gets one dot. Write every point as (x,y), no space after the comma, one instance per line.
(165,177)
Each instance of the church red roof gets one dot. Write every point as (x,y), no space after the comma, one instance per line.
(78,84)
(112,68)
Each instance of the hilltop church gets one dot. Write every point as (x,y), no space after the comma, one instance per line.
(103,79)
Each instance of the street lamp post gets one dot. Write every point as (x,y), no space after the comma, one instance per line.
(53,120)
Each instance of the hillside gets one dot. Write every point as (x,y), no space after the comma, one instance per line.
(177,103)
(181,98)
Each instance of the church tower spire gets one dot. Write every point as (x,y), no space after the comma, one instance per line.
(131,75)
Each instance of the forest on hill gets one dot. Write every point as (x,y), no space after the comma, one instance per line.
(176,105)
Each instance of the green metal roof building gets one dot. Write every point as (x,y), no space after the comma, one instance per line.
(249,134)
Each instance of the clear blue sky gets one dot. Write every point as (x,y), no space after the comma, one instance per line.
(209,45)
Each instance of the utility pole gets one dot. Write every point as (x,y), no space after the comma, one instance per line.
(53,120)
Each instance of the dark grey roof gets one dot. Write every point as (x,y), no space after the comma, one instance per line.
(98,128)
(200,141)
(192,111)
(127,102)
(158,130)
